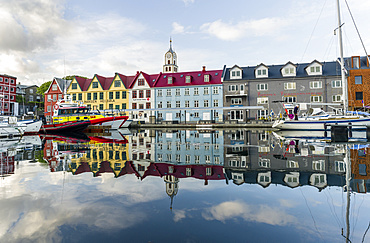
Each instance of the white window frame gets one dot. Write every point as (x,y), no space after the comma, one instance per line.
(337,98)
(336,83)
(262,100)
(316,98)
(215,90)
(316,85)
(262,87)
(289,85)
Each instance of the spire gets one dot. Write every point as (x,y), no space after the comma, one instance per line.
(170,50)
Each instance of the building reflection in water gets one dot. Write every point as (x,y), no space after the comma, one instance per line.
(240,156)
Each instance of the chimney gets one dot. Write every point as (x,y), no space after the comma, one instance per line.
(204,69)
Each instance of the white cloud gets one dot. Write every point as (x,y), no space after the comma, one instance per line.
(188,2)
(177,28)
(262,213)
(233,32)
(179,215)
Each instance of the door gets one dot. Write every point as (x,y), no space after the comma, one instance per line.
(206,116)
(169,116)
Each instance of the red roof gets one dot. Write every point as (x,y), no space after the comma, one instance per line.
(197,78)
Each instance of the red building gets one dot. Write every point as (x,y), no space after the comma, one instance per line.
(8,106)
(54,93)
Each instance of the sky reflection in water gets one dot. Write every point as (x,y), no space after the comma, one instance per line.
(42,206)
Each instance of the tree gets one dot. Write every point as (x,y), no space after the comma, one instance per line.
(19,99)
(42,89)
(71,77)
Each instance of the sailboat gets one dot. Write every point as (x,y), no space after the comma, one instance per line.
(325,121)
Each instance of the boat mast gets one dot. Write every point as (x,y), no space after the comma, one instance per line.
(343,75)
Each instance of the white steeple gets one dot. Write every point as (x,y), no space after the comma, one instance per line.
(170,61)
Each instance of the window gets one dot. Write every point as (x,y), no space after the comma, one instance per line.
(215,90)
(134,94)
(187,103)
(236,74)
(110,106)
(205,90)
(206,78)
(196,103)
(124,106)
(358,79)
(147,105)
(289,70)
(261,72)
(177,104)
(316,98)
(187,79)
(117,83)
(315,69)
(117,107)
(124,95)
(290,99)
(74,86)
(30,98)
(233,87)
(101,107)
(336,83)
(290,85)
(160,104)
(262,87)
(79,96)
(140,82)
(359,96)
(205,103)
(262,100)
(169,93)
(141,94)
(177,92)
(54,87)
(101,96)
(49,108)
(74,96)
(196,91)
(159,93)
(168,104)
(95,96)
(95,85)
(169,79)
(315,85)
(236,101)
(187,91)
(117,94)
(215,103)
(134,105)
(356,62)
(88,96)
(148,94)
(111,95)
(337,98)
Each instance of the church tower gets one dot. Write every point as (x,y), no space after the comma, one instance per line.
(170,61)
(172,186)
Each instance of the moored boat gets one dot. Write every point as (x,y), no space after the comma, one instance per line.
(65,127)
(66,110)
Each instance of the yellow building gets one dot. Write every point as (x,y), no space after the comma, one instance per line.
(101,158)
(101,93)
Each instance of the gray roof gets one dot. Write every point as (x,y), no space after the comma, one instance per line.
(348,61)
(274,71)
(63,83)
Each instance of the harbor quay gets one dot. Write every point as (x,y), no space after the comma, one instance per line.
(204,125)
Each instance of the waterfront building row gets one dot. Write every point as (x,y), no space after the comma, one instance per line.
(231,93)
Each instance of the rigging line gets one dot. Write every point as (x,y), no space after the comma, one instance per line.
(313,219)
(314,28)
(332,208)
(359,36)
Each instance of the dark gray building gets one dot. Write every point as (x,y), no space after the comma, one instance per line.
(29,93)
(277,88)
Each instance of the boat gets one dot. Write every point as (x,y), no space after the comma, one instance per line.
(30,127)
(9,128)
(325,121)
(65,127)
(67,110)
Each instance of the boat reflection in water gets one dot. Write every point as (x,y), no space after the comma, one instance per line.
(233,180)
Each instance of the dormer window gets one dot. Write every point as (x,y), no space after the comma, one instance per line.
(356,62)
(170,80)
(188,79)
(206,78)
(261,72)
(236,72)
(314,68)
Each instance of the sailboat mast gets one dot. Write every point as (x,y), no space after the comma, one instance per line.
(343,75)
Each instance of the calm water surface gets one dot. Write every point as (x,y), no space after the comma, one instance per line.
(183,186)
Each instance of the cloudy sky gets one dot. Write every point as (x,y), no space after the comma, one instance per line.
(42,39)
